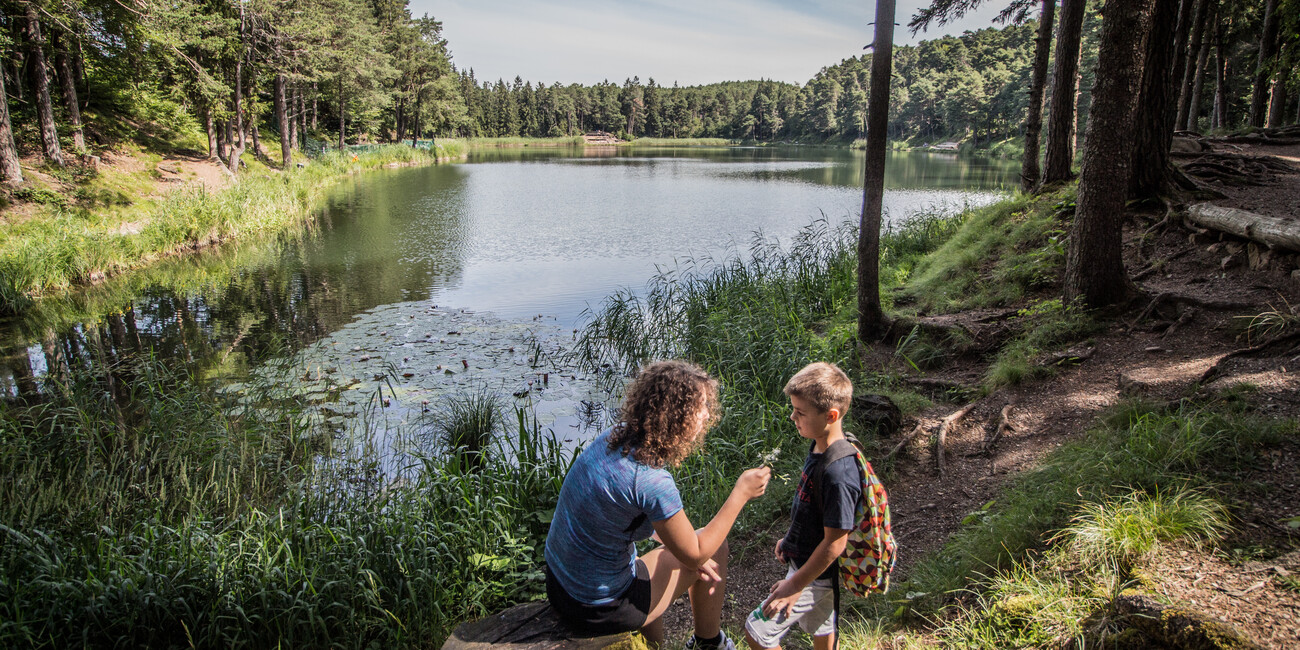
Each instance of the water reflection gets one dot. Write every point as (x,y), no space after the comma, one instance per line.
(520,232)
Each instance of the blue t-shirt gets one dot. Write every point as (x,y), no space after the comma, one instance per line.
(606,505)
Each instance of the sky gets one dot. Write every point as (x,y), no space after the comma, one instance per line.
(685,41)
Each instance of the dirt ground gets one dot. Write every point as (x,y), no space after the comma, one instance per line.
(1161,357)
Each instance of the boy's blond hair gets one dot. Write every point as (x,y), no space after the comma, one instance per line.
(823,384)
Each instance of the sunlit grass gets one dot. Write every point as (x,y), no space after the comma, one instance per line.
(71,245)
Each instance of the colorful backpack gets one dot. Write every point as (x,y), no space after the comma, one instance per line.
(871,551)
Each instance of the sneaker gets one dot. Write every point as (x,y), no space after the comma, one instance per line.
(724,643)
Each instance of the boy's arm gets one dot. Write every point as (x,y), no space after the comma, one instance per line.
(786,592)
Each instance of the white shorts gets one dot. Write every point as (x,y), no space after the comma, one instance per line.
(814,612)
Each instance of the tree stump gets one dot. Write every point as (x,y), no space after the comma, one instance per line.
(533,626)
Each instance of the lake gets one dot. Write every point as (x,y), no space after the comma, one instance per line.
(439,279)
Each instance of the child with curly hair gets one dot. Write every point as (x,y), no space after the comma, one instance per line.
(619,492)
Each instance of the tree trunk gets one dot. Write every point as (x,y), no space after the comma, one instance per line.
(292,112)
(399,123)
(1277,100)
(1220,80)
(342,116)
(1029,168)
(237,136)
(210,127)
(282,122)
(1198,77)
(1264,67)
(69,83)
(41,87)
(871,318)
(1065,80)
(1154,121)
(1094,263)
(314,92)
(10,170)
(1185,95)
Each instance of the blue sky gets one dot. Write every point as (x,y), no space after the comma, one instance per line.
(687,41)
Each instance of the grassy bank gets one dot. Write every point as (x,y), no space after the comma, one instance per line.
(69,243)
(167,516)
(517,141)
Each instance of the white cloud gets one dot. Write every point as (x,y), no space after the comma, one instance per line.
(688,41)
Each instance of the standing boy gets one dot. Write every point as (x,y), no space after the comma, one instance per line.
(820,519)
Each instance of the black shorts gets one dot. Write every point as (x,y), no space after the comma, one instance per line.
(627,613)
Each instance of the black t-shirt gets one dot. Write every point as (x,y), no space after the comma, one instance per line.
(841,490)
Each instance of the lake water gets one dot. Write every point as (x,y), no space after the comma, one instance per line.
(470,270)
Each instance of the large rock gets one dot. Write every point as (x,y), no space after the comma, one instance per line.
(876,413)
(533,626)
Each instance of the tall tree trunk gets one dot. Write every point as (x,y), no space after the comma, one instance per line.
(210,127)
(1277,101)
(1094,263)
(1065,80)
(1183,76)
(282,122)
(1030,169)
(295,106)
(69,84)
(1264,67)
(41,86)
(10,169)
(1185,79)
(1198,78)
(315,126)
(871,318)
(1220,120)
(399,124)
(343,123)
(1154,120)
(237,106)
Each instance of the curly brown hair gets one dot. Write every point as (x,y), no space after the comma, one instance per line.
(656,419)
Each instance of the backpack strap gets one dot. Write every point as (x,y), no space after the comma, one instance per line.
(848,446)
(837,450)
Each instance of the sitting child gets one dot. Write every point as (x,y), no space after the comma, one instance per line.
(820,519)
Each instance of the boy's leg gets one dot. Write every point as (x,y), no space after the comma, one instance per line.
(824,642)
(670,579)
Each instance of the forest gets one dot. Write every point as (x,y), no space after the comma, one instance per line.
(294,71)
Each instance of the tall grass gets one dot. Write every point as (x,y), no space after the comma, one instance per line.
(70,245)
(752,320)
(169,516)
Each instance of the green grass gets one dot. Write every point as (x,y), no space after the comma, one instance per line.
(519,141)
(679,142)
(1002,253)
(72,245)
(1120,531)
(167,515)
(1150,449)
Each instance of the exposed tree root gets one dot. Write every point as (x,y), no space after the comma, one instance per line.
(1159,264)
(1183,319)
(1169,297)
(944,426)
(1213,371)
(1235,169)
(1004,425)
(918,430)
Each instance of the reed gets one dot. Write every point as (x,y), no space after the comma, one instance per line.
(173,516)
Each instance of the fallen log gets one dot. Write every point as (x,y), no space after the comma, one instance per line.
(1265,229)
(532,626)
